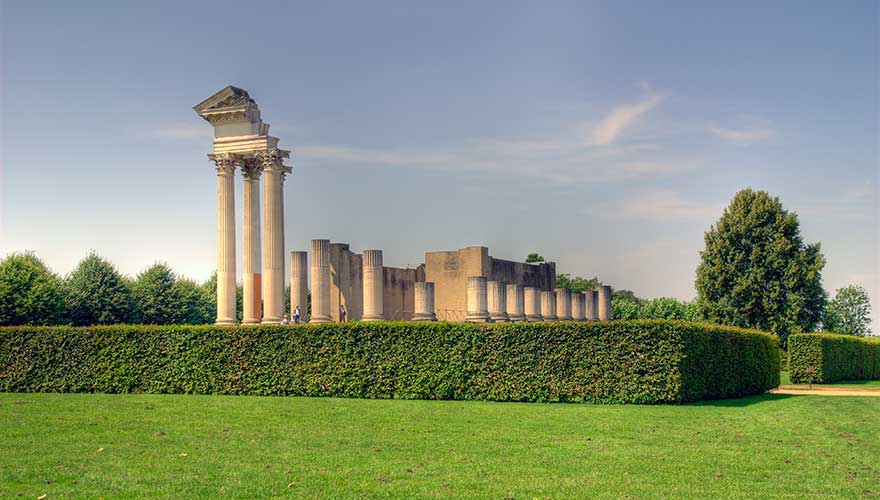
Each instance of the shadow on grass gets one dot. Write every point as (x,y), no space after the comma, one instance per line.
(745,401)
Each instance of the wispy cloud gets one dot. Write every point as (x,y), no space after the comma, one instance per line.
(664,205)
(619,119)
(744,136)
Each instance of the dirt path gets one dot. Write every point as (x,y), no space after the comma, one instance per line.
(820,390)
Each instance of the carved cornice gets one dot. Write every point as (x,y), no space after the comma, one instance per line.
(225,163)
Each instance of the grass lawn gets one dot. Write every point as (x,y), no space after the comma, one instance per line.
(785,379)
(181,446)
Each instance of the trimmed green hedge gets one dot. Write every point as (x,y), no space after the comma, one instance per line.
(832,357)
(609,362)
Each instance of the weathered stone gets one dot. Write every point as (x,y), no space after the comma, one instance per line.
(563,304)
(497,301)
(477,300)
(605,313)
(424,302)
(516,303)
(373,286)
(252,292)
(320,277)
(532,298)
(299,283)
(226,289)
(578,305)
(548,306)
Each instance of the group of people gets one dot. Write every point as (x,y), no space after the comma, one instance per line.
(296,315)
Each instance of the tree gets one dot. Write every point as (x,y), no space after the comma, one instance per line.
(533,258)
(30,294)
(849,312)
(97,294)
(576,284)
(757,272)
(194,308)
(662,308)
(624,309)
(624,295)
(209,291)
(153,293)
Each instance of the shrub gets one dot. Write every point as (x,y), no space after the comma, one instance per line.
(832,357)
(608,362)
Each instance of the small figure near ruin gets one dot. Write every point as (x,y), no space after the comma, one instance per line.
(343,314)
(284,320)
(297,314)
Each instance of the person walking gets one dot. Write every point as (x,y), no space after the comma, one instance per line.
(343,314)
(297,314)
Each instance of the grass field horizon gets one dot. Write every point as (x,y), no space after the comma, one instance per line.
(148,446)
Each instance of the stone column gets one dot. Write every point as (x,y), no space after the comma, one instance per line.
(424,302)
(252,296)
(563,304)
(516,303)
(605,303)
(273,230)
(548,306)
(226,310)
(299,281)
(374,280)
(592,308)
(496,292)
(477,300)
(532,298)
(320,282)
(578,307)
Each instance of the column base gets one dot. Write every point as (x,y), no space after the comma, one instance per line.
(320,319)
(564,318)
(517,318)
(271,321)
(551,318)
(534,318)
(225,321)
(373,317)
(424,317)
(477,318)
(250,322)
(499,317)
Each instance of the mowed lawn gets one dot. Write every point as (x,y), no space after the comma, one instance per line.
(184,446)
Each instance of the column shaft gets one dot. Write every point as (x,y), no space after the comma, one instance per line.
(605,303)
(273,251)
(563,304)
(374,280)
(424,302)
(548,306)
(226,307)
(299,289)
(578,305)
(592,308)
(532,297)
(252,309)
(477,300)
(320,269)
(516,303)
(497,301)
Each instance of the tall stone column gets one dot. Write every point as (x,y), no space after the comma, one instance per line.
(578,307)
(299,281)
(226,310)
(548,306)
(273,251)
(563,304)
(496,292)
(374,309)
(516,303)
(477,300)
(592,309)
(532,297)
(605,303)
(320,282)
(252,288)
(424,302)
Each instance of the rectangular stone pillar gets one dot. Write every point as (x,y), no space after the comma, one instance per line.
(320,271)
(532,298)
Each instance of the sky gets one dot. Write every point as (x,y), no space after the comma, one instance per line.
(606,136)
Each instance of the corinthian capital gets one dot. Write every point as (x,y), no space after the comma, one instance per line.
(225,162)
(251,169)
(271,159)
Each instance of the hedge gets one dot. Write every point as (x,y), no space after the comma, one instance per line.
(832,357)
(654,361)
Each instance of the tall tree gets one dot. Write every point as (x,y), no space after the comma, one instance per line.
(193,309)
(757,272)
(97,294)
(849,312)
(30,294)
(576,284)
(154,297)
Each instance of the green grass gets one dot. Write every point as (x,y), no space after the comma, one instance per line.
(180,446)
(785,379)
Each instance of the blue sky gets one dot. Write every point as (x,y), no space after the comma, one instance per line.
(606,136)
